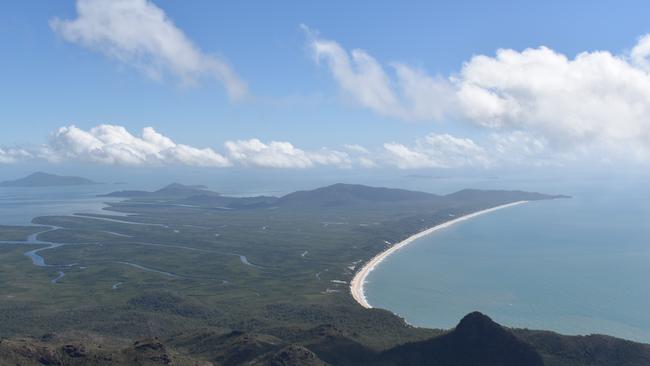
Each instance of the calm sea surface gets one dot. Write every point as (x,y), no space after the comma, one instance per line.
(19,205)
(575,266)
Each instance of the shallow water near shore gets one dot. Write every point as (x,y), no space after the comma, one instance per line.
(576,266)
(19,205)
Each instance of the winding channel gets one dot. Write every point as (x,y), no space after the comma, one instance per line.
(242,258)
(39,261)
(33,255)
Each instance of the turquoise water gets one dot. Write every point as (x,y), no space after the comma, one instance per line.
(575,266)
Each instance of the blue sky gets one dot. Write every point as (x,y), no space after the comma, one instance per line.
(50,81)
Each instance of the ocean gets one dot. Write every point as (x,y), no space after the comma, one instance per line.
(19,205)
(575,266)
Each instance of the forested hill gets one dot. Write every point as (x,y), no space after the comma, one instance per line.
(336,195)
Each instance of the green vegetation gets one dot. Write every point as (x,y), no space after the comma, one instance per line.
(216,277)
(17,233)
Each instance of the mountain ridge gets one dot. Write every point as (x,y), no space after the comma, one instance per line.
(334,195)
(173,190)
(476,341)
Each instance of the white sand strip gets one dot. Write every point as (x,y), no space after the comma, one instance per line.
(356,285)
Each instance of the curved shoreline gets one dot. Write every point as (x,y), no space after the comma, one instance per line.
(356,285)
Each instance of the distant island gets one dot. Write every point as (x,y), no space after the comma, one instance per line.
(174,190)
(40,179)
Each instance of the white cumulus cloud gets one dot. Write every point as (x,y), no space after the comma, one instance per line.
(596,103)
(13,155)
(356,148)
(363,79)
(279,154)
(139,33)
(520,148)
(111,144)
(362,156)
(359,75)
(437,151)
(115,145)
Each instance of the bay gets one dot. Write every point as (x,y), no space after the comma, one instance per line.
(575,266)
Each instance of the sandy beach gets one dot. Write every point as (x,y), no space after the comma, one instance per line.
(356,285)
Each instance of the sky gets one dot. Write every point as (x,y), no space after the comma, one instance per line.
(288,85)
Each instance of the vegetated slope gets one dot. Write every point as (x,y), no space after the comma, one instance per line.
(40,352)
(476,341)
(350,194)
(595,349)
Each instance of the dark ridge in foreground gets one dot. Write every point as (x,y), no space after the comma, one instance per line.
(40,179)
(476,341)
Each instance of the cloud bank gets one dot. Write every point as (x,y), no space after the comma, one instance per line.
(139,34)
(114,145)
(13,155)
(596,103)
(277,154)
(437,151)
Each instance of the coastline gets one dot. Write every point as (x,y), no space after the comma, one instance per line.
(357,283)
